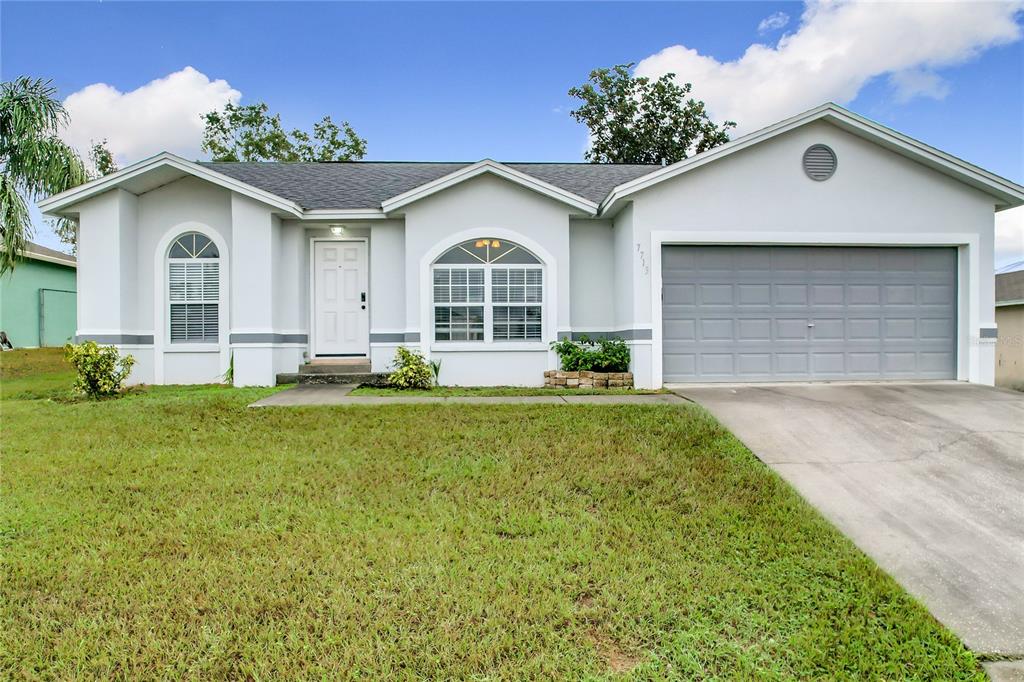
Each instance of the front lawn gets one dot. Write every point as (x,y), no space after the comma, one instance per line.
(176,533)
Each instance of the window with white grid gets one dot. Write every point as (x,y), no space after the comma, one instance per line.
(193,289)
(488,290)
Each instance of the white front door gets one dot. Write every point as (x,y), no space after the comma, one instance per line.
(341,318)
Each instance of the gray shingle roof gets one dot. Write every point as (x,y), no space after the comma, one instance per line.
(1010,286)
(365,184)
(31,248)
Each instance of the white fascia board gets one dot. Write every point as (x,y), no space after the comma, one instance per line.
(1008,192)
(489,166)
(59,202)
(344,214)
(69,262)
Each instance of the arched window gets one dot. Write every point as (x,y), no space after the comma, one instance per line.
(193,289)
(488,290)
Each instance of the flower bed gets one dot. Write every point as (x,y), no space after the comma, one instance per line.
(584,379)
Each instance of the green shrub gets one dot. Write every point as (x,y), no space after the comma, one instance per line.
(411,370)
(101,369)
(601,355)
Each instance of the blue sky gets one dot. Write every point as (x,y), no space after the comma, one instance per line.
(463,81)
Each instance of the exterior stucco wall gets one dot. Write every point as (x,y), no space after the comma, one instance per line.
(1010,347)
(876,197)
(487,206)
(591,276)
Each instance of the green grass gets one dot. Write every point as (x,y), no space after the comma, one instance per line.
(497,391)
(34,373)
(175,533)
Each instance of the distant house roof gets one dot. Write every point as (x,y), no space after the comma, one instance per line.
(368,184)
(39,252)
(1010,288)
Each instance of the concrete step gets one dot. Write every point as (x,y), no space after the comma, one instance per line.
(376,379)
(339,368)
(287,378)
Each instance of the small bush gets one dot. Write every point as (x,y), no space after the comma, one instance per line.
(601,355)
(101,369)
(411,370)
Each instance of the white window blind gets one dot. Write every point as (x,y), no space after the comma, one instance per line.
(194,295)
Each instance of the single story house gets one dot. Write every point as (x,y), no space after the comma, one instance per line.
(823,247)
(37,298)
(1010,318)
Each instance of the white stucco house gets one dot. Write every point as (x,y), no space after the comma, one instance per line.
(823,247)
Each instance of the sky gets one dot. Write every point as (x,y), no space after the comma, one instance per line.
(463,81)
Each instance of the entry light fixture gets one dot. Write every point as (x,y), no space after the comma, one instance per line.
(338,230)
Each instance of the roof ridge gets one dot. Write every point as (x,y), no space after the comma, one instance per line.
(585,164)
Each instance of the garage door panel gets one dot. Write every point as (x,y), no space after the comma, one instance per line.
(803,313)
(936,363)
(900,328)
(684,294)
(716,364)
(680,330)
(754,330)
(826,329)
(754,294)
(899,294)
(827,294)
(828,363)
(680,364)
(937,328)
(716,294)
(790,329)
(935,294)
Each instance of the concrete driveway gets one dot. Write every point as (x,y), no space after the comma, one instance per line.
(928,479)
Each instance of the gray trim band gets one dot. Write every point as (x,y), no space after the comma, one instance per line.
(624,334)
(395,337)
(268,338)
(988,333)
(117,339)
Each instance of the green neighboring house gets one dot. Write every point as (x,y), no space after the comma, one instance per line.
(38,299)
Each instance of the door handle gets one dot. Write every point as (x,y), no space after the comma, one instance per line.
(362,299)
(810,324)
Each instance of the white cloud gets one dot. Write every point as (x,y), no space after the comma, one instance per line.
(773,22)
(162,115)
(1009,236)
(839,47)
(918,83)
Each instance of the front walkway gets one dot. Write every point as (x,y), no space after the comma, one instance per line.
(338,394)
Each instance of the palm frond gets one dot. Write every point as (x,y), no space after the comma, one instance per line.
(29,107)
(15,224)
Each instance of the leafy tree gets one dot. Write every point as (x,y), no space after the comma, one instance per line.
(633,119)
(102,160)
(34,161)
(251,133)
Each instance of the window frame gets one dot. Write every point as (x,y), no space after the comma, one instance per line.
(488,303)
(186,345)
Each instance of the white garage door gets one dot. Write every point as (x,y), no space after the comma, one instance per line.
(792,313)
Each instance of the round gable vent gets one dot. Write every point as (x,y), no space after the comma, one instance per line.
(819,162)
